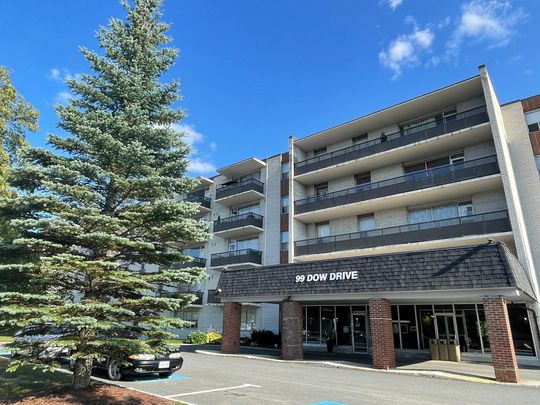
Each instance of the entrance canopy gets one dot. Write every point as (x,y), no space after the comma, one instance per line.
(462,274)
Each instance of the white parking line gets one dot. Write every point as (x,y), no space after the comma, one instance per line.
(214,390)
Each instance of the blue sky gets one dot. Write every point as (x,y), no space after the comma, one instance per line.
(255,72)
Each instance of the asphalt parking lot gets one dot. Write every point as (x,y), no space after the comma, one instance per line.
(210,380)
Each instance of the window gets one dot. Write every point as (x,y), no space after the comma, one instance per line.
(359,139)
(465,209)
(323,229)
(188,316)
(285,240)
(454,159)
(428,122)
(321,189)
(362,178)
(255,208)
(319,152)
(197,251)
(241,244)
(249,319)
(285,170)
(254,175)
(447,211)
(285,204)
(533,120)
(537,160)
(366,223)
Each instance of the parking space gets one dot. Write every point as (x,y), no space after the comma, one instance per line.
(209,380)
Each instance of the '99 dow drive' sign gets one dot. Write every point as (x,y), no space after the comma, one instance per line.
(334,276)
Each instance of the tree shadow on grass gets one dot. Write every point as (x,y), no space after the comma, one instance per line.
(27,386)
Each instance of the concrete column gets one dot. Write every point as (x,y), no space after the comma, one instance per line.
(382,338)
(232,314)
(292,317)
(500,340)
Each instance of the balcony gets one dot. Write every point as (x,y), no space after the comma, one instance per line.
(239,225)
(203,201)
(194,262)
(411,182)
(479,224)
(237,258)
(240,192)
(395,140)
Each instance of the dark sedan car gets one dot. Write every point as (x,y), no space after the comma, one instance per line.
(165,365)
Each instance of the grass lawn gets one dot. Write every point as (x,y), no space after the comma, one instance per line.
(31,387)
(171,341)
(6,339)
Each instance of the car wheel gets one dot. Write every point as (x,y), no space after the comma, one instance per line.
(166,375)
(113,371)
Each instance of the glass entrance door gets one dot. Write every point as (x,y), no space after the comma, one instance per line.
(446,326)
(360,334)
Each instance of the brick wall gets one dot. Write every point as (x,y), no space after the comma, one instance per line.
(382,339)
(531,103)
(292,316)
(535,142)
(230,343)
(500,340)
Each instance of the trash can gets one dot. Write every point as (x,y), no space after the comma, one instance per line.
(443,349)
(454,353)
(434,349)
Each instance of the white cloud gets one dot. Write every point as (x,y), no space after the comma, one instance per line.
(198,166)
(490,22)
(191,135)
(63,97)
(394,4)
(405,50)
(55,74)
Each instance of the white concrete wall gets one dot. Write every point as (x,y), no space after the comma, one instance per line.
(516,170)
(272,214)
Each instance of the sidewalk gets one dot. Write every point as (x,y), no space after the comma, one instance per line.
(465,371)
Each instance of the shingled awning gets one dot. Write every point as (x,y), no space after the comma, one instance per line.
(458,273)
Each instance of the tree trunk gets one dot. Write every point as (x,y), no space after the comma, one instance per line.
(82,373)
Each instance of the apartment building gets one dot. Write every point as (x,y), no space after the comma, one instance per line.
(416,222)
(246,206)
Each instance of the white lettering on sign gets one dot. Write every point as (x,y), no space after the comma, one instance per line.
(335,276)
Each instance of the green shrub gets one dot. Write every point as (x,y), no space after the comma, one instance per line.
(213,337)
(265,338)
(197,337)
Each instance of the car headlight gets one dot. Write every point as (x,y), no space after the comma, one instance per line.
(142,356)
(175,355)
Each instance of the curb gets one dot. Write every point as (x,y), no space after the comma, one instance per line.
(415,373)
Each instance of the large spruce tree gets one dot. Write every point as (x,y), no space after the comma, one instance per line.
(102,201)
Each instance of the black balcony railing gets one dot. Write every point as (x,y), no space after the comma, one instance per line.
(238,221)
(213,297)
(194,262)
(395,140)
(236,257)
(239,187)
(479,224)
(201,199)
(410,182)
